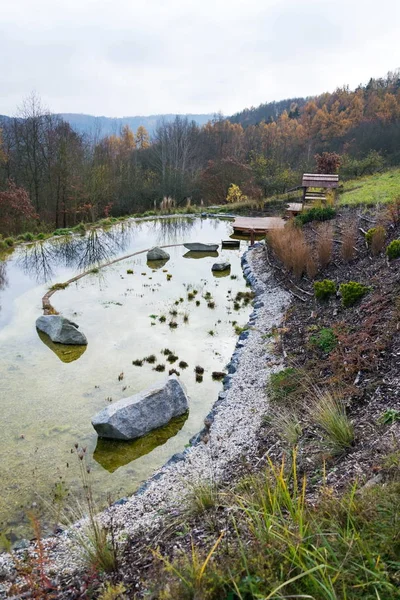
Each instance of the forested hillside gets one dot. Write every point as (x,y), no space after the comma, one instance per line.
(72,177)
(103,126)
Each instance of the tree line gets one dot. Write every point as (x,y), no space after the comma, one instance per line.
(62,177)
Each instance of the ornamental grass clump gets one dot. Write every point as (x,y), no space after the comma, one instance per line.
(393,250)
(291,249)
(324,289)
(329,414)
(351,292)
(375,238)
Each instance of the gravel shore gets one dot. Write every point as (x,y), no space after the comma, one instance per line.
(229,435)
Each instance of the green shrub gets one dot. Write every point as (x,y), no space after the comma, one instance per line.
(62,232)
(28,236)
(283,383)
(40,236)
(325,339)
(3,245)
(351,292)
(315,214)
(81,228)
(393,250)
(9,242)
(325,288)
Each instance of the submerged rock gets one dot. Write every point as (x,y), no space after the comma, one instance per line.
(222,266)
(134,417)
(61,330)
(157,254)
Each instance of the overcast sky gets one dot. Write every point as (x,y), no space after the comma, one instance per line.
(141,57)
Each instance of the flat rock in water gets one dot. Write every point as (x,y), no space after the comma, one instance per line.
(157,254)
(134,417)
(199,247)
(223,266)
(61,330)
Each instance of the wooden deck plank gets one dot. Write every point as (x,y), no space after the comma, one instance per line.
(258,223)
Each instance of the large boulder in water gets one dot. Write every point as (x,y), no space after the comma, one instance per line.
(134,417)
(157,254)
(61,330)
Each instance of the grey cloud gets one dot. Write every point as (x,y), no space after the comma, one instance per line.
(132,57)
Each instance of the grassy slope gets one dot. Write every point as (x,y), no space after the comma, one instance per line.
(381,187)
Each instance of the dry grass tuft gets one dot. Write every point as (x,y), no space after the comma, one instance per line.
(349,240)
(378,240)
(324,244)
(291,248)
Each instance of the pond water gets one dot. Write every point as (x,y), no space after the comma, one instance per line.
(49,393)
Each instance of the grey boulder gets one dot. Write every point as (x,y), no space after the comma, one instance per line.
(134,417)
(223,266)
(157,254)
(61,330)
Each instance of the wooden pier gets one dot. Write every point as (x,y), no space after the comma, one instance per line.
(257,224)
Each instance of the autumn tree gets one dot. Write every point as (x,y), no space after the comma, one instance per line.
(16,209)
(327,162)
(142,138)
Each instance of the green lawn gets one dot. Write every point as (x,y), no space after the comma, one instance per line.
(381,187)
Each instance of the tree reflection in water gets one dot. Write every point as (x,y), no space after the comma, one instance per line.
(93,249)
(170,231)
(3,276)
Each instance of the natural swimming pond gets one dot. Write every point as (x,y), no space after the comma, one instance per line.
(49,393)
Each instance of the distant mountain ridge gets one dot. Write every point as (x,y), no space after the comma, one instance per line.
(102,126)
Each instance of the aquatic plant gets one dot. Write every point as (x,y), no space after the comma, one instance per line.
(173,324)
(137,362)
(159,368)
(150,359)
(199,370)
(211,304)
(172,358)
(183,365)
(162,319)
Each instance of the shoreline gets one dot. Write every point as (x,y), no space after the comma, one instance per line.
(229,435)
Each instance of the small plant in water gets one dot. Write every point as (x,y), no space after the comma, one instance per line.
(173,324)
(150,359)
(137,362)
(162,319)
(211,332)
(199,370)
(211,304)
(183,365)
(186,317)
(172,358)
(190,296)
(199,378)
(197,302)
(129,272)
(169,276)
(174,372)
(233,276)
(173,312)
(166,352)
(159,368)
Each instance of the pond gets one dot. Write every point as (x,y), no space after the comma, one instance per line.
(49,393)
